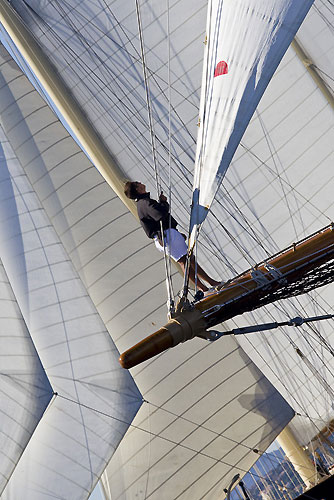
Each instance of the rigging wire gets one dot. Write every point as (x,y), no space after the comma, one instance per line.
(200,167)
(90,74)
(269,142)
(169,144)
(272,155)
(321,381)
(154,156)
(292,188)
(270,368)
(265,340)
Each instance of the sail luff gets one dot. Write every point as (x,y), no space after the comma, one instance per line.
(247,41)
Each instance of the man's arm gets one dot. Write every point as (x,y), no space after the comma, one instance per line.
(157,209)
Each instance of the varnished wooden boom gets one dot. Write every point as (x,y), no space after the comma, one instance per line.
(184,327)
(292,264)
(238,296)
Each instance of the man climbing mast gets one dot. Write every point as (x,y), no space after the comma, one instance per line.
(151,213)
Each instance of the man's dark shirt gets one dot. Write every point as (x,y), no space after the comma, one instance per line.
(151,212)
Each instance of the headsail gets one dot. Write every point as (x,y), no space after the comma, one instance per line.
(245,43)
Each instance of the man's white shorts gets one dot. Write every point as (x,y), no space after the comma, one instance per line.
(175,244)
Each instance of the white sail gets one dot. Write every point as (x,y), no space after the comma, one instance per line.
(244,44)
(200,431)
(25,389)
(95,400)
(120,269)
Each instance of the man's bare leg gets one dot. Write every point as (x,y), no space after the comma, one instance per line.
(200,285)
(202,274)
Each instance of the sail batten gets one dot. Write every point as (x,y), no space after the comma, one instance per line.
(245,43)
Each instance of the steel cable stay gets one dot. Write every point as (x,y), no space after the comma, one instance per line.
(291,217)
(102,90)
(158,184)
(136,58)
(204,130)
(171,304)
(327,4)
(294,322)
(152,138)
(270,146)
(304,404)
(101,86)
(155,162)
(193,246)
(326,74)
(264,164)
(321,340)
(185,287)
(249,229)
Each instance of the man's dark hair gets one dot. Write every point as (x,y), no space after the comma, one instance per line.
(130,190)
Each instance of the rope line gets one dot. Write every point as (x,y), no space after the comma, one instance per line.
(154,157)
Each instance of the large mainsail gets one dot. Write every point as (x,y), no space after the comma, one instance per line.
(245,42)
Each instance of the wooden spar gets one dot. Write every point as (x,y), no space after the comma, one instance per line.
(298,457)
(65,102)
(292,264)
(238,296)
(184,327)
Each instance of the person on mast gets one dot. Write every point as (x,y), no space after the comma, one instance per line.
(151,213)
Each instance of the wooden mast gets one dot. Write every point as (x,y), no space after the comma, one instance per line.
(298,457)
(241,294)
(65,102)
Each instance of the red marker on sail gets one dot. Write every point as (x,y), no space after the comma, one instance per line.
(221,68)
